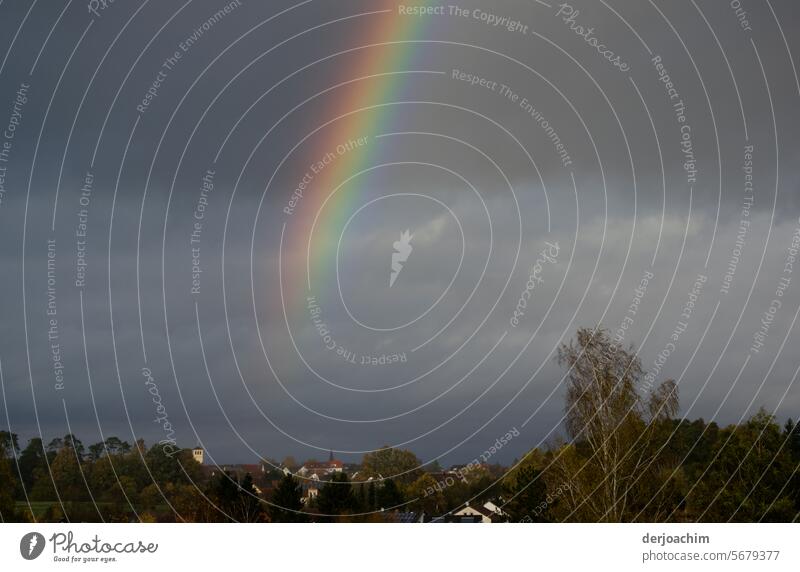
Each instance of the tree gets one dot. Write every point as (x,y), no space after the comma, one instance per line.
(290,464)
(111,446)
(190,504)
(247,507)
(55,445)
(109,483)
(7,503)
(792,436)
(9,464)
(172,466)
(791,432)
(115,446)
(69,440)
(9,444)
(238,501)
(387,462)
(425,495)
(616,429)
(287,501)
(747,477)
(67,477)
(455,489)
(336,497)
(433,467)
(388,495)
(150,496)
(34,471)
(74,443)
(96,451)
(372,497)
(31,458)
(526,492)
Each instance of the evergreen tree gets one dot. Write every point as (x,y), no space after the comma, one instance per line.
(388,495)
(526,492)
(224,491)
(248,507)
(791,432)
(238,501)
(96,451)
(336,497)
(30,459)
(287,502)
(372,502)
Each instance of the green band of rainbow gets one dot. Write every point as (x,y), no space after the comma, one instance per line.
(389,52)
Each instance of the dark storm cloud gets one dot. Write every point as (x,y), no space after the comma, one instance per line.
(607,227)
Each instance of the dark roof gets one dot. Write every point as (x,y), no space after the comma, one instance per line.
(253,468)
(483,510)
(447,518)
(400,517)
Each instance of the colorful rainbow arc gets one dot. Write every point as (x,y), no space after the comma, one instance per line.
(389,55)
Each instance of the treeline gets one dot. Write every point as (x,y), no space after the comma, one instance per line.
(626,458)
(114,481)
(629,459)
(655,469)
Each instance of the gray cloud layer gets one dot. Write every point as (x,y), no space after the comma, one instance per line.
(612,227)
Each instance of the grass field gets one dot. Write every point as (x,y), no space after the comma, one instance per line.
(82,511)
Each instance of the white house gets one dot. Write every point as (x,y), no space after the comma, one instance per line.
(488,515)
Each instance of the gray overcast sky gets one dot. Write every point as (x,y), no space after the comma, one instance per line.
(622,136)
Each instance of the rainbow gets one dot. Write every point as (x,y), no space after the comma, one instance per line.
(349,142)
